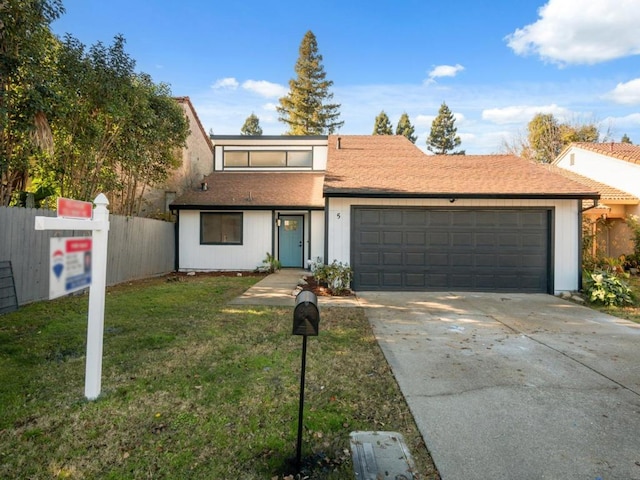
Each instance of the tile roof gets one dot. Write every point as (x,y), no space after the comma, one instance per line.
(256,190)
(607,192)
(622,151)
(390,165)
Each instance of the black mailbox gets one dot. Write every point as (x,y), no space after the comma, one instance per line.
(306,316)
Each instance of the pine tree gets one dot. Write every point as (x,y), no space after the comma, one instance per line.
(382,125)
(304,108)
(443,137)
(405,128)
(251,125)
(626,139)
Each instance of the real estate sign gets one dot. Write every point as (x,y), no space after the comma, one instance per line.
(70,260)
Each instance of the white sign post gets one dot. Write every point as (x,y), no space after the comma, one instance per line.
(99,226)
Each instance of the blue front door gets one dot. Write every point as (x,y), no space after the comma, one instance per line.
(291,236)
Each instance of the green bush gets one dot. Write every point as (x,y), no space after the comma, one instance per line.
(270,264)
(607,288)
(337,276)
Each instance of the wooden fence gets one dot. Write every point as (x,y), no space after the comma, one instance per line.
(138,248)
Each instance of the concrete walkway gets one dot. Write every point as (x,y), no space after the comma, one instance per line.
(278,289)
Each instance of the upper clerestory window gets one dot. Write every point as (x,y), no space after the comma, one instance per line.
(268,158)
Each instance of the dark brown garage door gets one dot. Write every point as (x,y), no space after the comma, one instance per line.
(502,250)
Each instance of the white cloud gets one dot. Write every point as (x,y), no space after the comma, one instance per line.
(269,107)
(521,113)
(570,32)
(626,93)
(228,82)
(265,89)
(444,71)
(424,120)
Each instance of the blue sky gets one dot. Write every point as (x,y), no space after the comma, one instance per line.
(494,62)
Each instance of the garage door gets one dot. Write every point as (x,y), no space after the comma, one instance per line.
(503,250)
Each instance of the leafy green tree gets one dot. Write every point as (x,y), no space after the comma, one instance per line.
(305,109)
(544,137)
(26,49)
(443,137)
(114,131)
(547,136)
(405,128)
(382,125)
(251,126)
(626,139)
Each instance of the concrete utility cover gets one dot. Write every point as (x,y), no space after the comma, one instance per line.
(378,455)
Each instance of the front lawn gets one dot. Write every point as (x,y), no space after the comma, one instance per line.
(191,388)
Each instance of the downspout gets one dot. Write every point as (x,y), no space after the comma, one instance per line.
(580,215)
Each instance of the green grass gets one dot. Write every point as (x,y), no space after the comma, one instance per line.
(191,388)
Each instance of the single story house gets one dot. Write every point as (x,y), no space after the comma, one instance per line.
(612,170)
(402,219)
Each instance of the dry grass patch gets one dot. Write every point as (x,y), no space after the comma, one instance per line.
(192,388)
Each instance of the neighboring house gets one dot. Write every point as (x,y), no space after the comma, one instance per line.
(613,170)
(197,161)
(402,219)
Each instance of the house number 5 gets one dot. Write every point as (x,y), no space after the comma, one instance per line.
(338,215)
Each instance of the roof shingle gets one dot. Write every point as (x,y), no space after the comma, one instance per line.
(256,190)
(390,165)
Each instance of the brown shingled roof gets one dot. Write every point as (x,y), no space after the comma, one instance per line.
(623,151)
(261,190)
(390,165)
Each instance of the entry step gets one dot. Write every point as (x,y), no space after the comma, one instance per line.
(381,456)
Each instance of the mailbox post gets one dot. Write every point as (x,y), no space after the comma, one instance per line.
(306,320)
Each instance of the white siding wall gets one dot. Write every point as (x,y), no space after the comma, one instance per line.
(617,173)
(566,249)
(257,241)
(317,235)
(257,231)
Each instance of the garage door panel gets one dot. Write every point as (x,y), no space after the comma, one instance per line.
(369,238)
(464,249)
(438,239)
(462,219)
(461,240)
(485,240)
(438,259)
(370,216)
(392,279)
(369,258)
(392,238)
(415,218)
(461,259)
(415,258)
(392,258)
(533,240)
(416,238)
(392,217)
(415,280)
(439,218)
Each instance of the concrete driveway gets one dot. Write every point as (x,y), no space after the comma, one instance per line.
(507,386)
